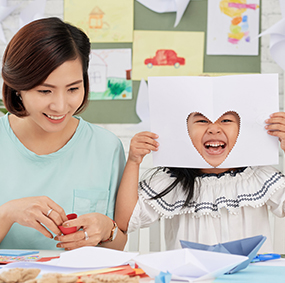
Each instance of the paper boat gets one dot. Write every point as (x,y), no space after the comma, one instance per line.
(245,247)
(189,264)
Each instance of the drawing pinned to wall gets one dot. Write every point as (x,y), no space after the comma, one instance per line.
(103,21)
(110,74)
(233,26)
(166,53)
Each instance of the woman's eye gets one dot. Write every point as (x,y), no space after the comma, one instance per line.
(202,121)
(44,91)
(226,121)
(73,89)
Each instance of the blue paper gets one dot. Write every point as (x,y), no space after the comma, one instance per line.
(255,274)
(16,252)
(246,247)
(163,277)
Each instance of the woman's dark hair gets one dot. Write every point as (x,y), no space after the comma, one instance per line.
(34,52)
(186,177)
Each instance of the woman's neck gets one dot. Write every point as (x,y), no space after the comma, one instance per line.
(216,170)
(39,141)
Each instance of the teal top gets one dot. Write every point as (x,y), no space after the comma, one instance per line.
(81,177)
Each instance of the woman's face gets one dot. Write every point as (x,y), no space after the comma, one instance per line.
(214,141)
(51,105)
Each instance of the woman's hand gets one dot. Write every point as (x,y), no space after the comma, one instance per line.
(142,144)
(96,227)
(276,127)
(35,212)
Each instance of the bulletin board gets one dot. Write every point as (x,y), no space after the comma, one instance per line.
(194,19)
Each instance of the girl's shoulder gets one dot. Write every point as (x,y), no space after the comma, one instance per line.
(252,186)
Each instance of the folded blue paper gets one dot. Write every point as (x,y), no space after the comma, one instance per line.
(163,277)
(246,247)
(16,252)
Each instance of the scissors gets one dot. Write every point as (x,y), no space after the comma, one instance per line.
(264,257)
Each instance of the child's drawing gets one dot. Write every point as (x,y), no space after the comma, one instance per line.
(167,53)
(165,57)
(103,21)
(233,26)
(239,27)
(110,74)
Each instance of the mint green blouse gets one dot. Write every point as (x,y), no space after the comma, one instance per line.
(81,177)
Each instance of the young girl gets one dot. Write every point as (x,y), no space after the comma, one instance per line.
(207,206)
(53,162)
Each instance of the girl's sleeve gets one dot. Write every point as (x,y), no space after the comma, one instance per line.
(143,216)
(277,202)
(116,173)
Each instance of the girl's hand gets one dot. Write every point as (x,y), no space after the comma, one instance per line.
(35,212)
(142,144)
(276,127)
(96,227)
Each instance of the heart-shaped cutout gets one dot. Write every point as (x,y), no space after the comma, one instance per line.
(214,140)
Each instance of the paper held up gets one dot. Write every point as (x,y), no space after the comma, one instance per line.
(245,247)
(188,264)
(251,98)
(164,6)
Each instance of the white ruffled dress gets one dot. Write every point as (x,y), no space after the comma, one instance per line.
(225,207)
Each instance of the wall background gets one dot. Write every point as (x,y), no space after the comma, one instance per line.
(270,15)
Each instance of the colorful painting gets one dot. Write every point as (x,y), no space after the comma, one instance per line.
(110,74)
(166,53)
(102,20)
(233,26)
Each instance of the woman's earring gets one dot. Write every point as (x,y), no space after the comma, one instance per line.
(19,95)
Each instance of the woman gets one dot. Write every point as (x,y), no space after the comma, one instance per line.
(56,163)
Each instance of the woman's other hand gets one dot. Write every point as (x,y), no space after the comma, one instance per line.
(40,213)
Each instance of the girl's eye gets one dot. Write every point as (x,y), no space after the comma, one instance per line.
(226,121)
(201,121)
(44,91)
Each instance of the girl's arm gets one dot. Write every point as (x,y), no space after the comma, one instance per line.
(141,144)
(276,127)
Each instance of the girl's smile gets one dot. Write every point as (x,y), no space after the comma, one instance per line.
(213,141)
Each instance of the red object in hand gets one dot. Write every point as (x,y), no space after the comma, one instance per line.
(69,230)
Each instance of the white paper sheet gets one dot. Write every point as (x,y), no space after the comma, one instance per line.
(164,6)
(252,97)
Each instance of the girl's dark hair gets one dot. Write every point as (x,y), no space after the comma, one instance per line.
(34,52)
(186,177)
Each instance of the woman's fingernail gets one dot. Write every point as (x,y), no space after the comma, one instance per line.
(65,224)
(56,238)
(58,245)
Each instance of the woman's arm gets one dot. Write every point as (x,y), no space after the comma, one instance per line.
(141,144)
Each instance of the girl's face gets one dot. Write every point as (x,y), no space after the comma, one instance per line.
(214,141)
(52,104)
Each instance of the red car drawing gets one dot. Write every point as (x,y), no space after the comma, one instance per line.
(165,57)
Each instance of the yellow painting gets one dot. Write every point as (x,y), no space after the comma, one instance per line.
(166,53)
(102,20)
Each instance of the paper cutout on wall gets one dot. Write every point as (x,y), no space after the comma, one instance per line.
(5,11)
(101,20)
(165,6)
(35,10)
(110,74)
(232,27)
(277,38)
(167,53)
